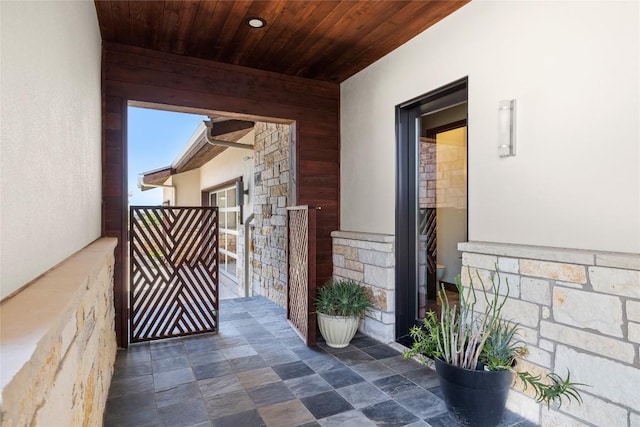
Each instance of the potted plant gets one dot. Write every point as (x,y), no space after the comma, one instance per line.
(339,305)
(475,353)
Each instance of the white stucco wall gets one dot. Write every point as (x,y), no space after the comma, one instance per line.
(573,68)
(50,148)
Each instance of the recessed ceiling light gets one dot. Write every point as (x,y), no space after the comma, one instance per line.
(256,22)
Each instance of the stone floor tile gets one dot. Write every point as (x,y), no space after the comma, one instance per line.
(283,334)
(396,385)
(236,316)
(183,414)
(380,351)
(165,380)
(135,419)
(228,404)
(176,349)
(243,419)
(205,345)
(177,394)
(287,371)
(362,341)
(247,363)
(326,404)
(442,420)
(286,414)
(170,363)
(389,413)
(270,393)
(353,357)
(424,377)
(227,330)
(269,347)
(212,370)
(333,350)
(373,370)
(133,369)
(226,340)
(128,405)
(399,364)
(248,321)
(292,343)
(349,418)
(136,353)
(421,403)
(437,391)
(419,423)
(309,352)
(155,383)
(273,358)
(238,351)
(219,385)
(257,377)
(341,377)
(129,385)
(308,385)
(362,394)
(325,362)
(205,357)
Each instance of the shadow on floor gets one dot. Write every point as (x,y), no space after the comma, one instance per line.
(257,372)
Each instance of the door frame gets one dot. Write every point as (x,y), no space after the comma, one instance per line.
(406,224)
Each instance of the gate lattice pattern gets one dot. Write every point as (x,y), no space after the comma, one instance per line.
(301,286)
(174,271)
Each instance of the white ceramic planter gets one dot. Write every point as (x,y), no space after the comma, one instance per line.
(337,330)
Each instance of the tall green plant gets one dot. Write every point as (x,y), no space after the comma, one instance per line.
(473,337)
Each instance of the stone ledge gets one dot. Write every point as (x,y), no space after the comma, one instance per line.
(29,316)
(542,253)
(367,237)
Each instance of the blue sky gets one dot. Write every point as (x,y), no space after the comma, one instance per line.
(155,139)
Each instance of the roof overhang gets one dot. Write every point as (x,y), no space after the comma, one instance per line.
(198,151)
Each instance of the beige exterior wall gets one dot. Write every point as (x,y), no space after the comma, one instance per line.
(187,188)
(573,68)
(50,156)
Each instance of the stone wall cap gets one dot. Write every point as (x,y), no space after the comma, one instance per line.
(359,235)
(28,316)
(541,253)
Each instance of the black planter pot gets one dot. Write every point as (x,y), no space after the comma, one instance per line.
(474,398)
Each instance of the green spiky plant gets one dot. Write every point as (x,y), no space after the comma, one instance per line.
(343,298)
(471,336)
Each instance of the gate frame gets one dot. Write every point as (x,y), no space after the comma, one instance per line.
(216,272)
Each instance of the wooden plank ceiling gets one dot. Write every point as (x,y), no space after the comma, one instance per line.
(322,40)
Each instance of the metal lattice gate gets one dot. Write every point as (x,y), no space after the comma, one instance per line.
(301,287)
(174,271)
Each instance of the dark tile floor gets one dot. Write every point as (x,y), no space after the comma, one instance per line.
(257,372)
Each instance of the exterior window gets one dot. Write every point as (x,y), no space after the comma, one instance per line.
(229,212)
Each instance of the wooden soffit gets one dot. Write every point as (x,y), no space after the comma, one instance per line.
(322,40)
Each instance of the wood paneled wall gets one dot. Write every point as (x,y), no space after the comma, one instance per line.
(190,84)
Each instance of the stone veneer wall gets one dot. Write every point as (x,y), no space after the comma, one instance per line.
(369,259)
(270,197)
(579,310)
(58,344)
